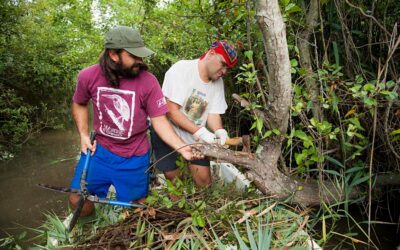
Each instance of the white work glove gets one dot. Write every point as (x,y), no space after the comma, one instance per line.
(221,136)
(204,135)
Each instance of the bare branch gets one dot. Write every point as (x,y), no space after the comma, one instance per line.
(245,104)
(369,16)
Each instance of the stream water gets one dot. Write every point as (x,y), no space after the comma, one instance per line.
(49,158)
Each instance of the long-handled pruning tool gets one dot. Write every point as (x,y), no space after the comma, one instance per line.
(84,193)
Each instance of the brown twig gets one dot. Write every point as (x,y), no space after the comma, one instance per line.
(369,16)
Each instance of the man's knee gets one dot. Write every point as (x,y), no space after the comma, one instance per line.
(201,175)
(88,206)
(171,175)
(202,181)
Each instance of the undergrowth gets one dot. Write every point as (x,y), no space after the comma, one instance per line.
(218,217)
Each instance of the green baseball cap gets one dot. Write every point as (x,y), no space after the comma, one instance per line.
(127,38)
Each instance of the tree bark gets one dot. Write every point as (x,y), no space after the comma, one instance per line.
(270,181)
(303,42)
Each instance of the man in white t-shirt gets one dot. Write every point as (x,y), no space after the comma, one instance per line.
(195,97)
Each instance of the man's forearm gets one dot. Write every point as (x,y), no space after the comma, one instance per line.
(180,120)
(214,122)
(80,113)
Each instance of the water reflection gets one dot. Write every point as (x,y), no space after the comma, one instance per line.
(49,158)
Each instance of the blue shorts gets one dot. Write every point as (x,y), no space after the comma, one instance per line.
(129,176)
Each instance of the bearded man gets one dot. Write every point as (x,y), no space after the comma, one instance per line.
(124,94)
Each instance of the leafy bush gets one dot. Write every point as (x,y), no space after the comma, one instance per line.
(15,122)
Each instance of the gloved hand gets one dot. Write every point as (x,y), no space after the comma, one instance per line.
(204,135)
(221,136)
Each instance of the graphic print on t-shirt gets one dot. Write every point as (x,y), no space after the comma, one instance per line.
(195,106)
(116,111)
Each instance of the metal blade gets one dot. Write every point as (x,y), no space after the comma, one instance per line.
(77,212)
(58,189)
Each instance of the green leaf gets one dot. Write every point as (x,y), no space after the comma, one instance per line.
(294,63)
(369,87)
(248,54)
(197,219)
(250,235)
(299,106)
(292,8)
(353,169)
(307,142)
(359,79)
(181,203)
(300,158)
(356,88)
(259,125)
(369,101)
(200,205)
(325,106)
(301,135)
(302,71)
(390,84)
(334,161)
(359,181)
(151,200)
(395,132)
(267,134)
(389,95)
(313,122)
(276,131)
(239,239)
(332,172)
(285,2)
(220,245)
(167,202)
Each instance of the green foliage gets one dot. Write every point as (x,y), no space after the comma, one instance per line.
(54,231)
(213,213)
(181,189)
(395,134)
(43,44)
(12,242)
(349,131)
(259,237)
(247,76)
(371,92)
(15,121)
(227,219)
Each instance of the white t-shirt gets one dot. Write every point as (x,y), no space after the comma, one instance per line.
(183,86)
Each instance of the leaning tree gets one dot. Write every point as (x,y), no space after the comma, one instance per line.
(262,168)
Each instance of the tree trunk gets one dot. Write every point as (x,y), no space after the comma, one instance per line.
(303,42)
(263,168)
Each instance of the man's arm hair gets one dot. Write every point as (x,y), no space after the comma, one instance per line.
(179,119)
(214,122)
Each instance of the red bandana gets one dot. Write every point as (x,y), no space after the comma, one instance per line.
(226,50)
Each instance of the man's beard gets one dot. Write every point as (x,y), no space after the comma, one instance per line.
(130,72)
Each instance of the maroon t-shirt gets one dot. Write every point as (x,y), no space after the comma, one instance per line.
(120,114)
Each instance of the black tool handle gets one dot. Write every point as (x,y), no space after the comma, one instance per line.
(92,136)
